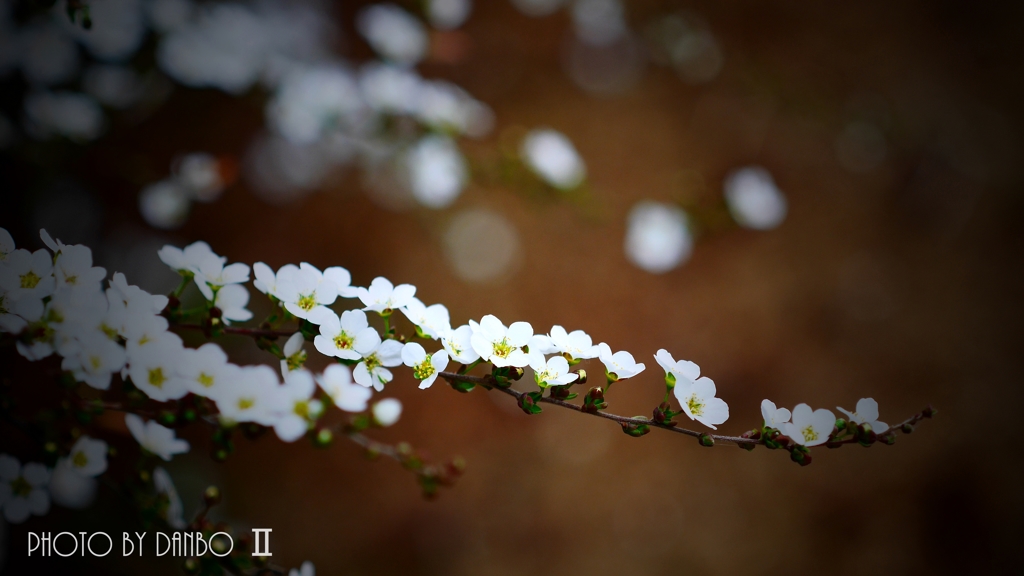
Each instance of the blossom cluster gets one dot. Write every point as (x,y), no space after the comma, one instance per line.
(54,302)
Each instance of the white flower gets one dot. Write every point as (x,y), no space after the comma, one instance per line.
(774,417)
(16,314)
(307,569)
(459,344)
(382,296)
(809,427)
(336,382)
(432,321)
(155,438)
(550,155)
(153,368)
(754,200)
(132,298)
(349,337)
(23,489)
(74,269)
(657,236)
(70,489)
(294,355)
(576,344)
(201,174)
(28,274)
(698,401)
(205,370)
(373,370)
(387,411)
(143,329)
(393,33)
(620,364)
(266,280)
(96,360)
(231,301)
(499,345)
(165,204)
(683,370)
(311,102)
(187,261)
(448,14)
(89,456)
(165,486)
(211,274)
(437,171)
(554,372)
(390,89)
(253,396)
(424,368)
(866,413)
(304,289)
(299,406)
(6,244)
(342,279)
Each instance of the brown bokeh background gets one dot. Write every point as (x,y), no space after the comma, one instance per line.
(902,284)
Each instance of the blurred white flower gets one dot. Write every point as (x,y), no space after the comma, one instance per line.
(95,361)
(28,274)
(153,368)
(112,85)
(551,155)
(866,413)
(47,55)
(437,171)
(74,115)
(231,301)
(753,198)
(774,417)
(88,456)
(118,29)
(165,486)
(390,89)
(166,15)
(165,204)
(448,14)
(599,22)
(23,489)
(657,236)
(387,411)
(307,569)
(211,274)
(254,395)
(187,260)
(424,367)
(200,173)
(300,408)
(809,427)
(70,489)
(336,382)
(500,345)
(205,370)
(311,101)
(73,268)
(393,33)
(576,344)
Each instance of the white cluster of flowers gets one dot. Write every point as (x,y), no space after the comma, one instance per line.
(26,490)
(809,427)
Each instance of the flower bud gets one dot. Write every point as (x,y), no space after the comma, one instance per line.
(634,430)
(865,435)
(324,437)
(800,457)
(216,312)
(706,440)
(889,438)
(212,496)
(907,428)
(659,416)
(516,373)
(840,424)
(929,412)
(582,376)
(670,380)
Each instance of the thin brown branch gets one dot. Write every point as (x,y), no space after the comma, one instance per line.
(489,382)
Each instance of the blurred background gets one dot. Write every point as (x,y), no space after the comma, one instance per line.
(877,254)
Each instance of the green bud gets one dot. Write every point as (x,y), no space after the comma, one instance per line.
(840,424)
(706,440)
(220,455)
(634,430)
(582,376)
(907,428)
(324,437)
(611,377)
(670,380)
(865,435)
(212,496)
(888,439)
(929,412)
(167,418)
(800,457)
